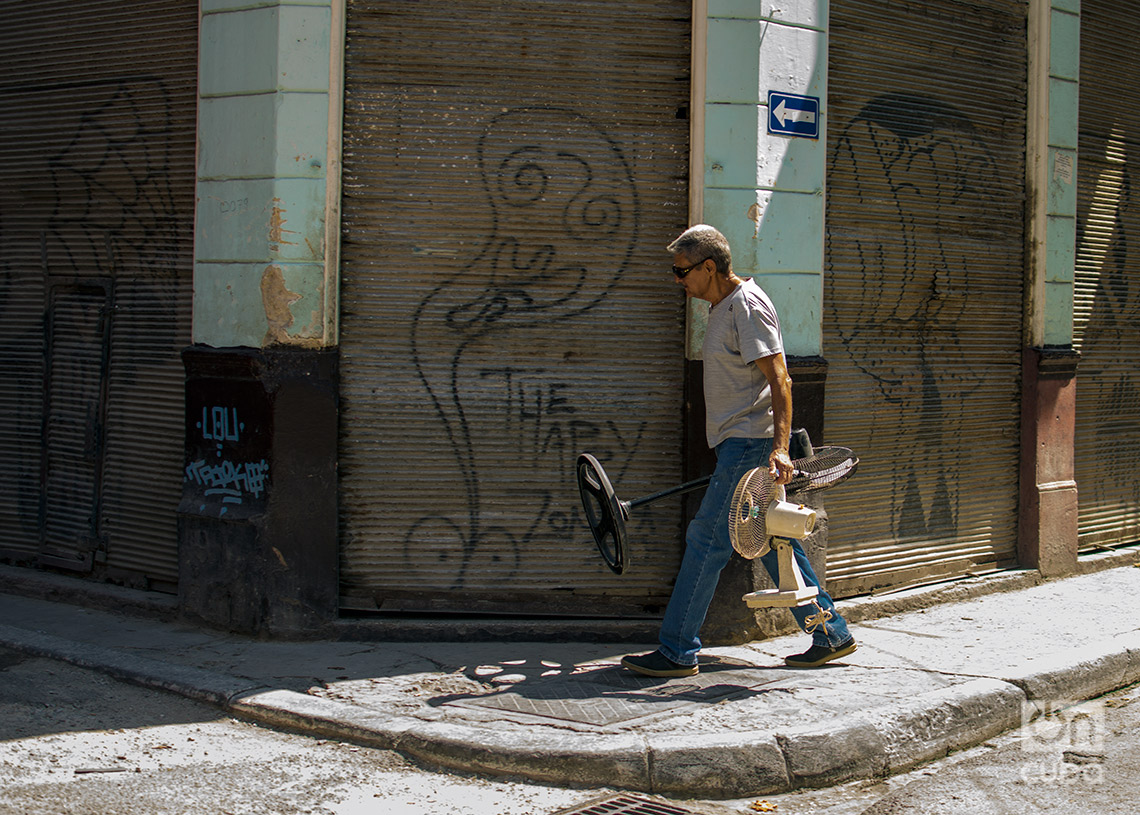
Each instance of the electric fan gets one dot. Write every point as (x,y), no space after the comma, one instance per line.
(606,514)
(761,519)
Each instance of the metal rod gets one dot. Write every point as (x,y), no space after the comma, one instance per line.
(688,486)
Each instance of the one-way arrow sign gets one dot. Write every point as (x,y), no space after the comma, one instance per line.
(792,115)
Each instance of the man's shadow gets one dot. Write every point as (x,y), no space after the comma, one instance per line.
(605,693)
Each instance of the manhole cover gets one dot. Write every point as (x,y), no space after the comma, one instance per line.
(626,805)
(612,694)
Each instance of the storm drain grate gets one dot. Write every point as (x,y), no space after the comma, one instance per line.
(627,805)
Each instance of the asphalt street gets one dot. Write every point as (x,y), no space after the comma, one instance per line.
(929,680)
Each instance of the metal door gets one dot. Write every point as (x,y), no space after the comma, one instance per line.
(98,114)
(923,286)
(75,400)
(512,173)
(1106,324)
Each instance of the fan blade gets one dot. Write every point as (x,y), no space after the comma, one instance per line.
(827,467)
(747,519)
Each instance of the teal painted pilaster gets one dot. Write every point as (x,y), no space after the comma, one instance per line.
(1061,234)
(1052,182)
(265,267)
(765,191)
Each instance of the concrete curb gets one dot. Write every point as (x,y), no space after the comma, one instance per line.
(932,725)
(315,716)
(866,744)
(1083,672)
(193,683)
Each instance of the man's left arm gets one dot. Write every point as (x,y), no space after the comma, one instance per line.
(775,370)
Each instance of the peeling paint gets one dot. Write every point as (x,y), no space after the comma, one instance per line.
(755,212)
(277,229)
(276,298)
(316,327)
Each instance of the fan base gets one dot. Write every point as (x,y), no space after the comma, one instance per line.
(792,589)
(774,598)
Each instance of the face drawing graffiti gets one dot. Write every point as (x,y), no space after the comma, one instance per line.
(917,177)
(540,166)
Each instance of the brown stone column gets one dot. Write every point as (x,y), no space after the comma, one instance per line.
(1047,529)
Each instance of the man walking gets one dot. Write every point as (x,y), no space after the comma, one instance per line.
(748,402)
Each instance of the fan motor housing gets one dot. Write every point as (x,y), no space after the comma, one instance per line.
(788,520)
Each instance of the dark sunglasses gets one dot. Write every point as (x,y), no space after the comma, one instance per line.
(680,273)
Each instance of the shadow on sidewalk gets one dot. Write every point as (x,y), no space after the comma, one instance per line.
(605,694)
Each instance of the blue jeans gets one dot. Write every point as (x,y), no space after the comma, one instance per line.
(708,549)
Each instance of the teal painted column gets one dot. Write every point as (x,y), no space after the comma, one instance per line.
(258,545)
(1051,167)
(1047,529)
(765,192)
(265,265)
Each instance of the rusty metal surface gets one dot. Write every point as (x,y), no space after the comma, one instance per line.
(98,114)
(1106,308)
(923,287)
(506,299)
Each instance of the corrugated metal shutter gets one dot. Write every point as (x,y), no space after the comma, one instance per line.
(923,286)
(73,444)
(1107,296)
(146,416)
(98,115)
(512,172)
(22,304)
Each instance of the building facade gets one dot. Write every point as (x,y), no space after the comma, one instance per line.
(315,304)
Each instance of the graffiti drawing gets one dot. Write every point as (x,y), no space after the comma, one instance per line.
(1108,394)
(563,204)
(227,482)
(95,199)
(237,475)
(899,296)
(114,209)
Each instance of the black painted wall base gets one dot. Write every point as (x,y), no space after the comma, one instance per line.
(258,517)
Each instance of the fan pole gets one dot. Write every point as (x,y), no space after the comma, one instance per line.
(793,590)
(688,486)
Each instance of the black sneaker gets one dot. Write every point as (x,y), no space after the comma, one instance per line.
(657,664)
(819,654)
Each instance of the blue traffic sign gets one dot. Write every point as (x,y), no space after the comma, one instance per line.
(793,115)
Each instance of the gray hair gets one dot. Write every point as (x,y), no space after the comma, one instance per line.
(703,241)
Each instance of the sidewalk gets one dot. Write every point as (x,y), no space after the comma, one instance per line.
(923,682)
